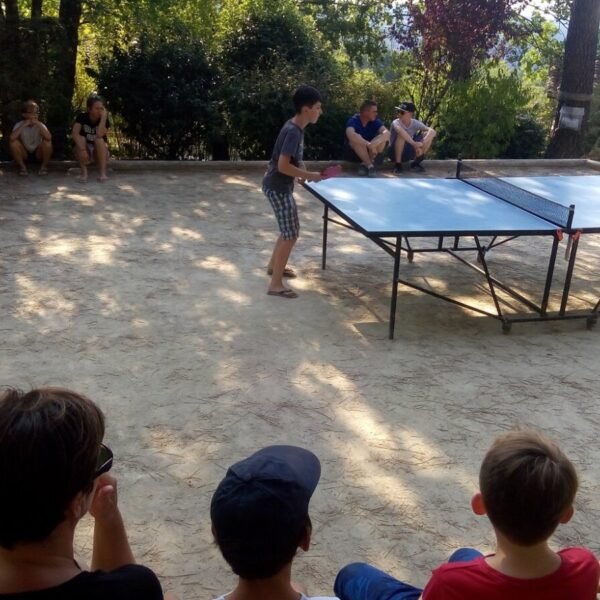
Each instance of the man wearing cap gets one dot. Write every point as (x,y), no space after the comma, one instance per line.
(366,138)
(410,139)
(259,515)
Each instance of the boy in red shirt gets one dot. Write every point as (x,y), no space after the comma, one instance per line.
(527,489)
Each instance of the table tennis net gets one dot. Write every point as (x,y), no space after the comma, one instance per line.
(537,205)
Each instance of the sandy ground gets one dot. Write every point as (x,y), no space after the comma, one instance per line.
(148,294)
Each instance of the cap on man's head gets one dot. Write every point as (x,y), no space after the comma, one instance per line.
(274,485)
(406,107)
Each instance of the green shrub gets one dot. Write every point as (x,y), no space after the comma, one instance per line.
(273,49)
(528,140)
(479,116)
(163,92)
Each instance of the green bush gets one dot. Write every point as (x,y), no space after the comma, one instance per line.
(163,92)
(479,117)
(273,49)
(528,140)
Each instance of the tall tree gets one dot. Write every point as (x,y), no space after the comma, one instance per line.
(455,34)
(267,47)
(67,44)
(358,27)
(176,74)
(576,88)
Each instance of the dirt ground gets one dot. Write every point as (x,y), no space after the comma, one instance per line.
(148,294)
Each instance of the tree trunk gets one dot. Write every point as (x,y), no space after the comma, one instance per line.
(219,148)
(60,112)
(12,11)
(36,9)
(35,43)
(575,96)
(10,84)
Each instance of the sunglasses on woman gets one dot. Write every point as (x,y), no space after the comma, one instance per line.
(105,461)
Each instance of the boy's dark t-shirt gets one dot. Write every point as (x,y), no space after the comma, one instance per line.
(88,128)
(131,582)
(290,142)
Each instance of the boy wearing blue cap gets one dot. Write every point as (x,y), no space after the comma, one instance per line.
(259,515)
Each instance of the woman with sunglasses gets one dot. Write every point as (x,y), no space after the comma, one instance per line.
(53,470)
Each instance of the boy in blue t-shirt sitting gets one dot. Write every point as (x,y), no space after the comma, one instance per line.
(366,138)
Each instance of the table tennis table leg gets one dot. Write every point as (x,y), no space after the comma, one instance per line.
(325,223)
(410,255)
(549,275)
(395,287)
(569,275)
(481,257)
(568,249)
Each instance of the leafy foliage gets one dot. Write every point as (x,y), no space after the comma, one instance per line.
(455,34)
(538,57)
(479,116)
(244,58)
(528,140)
(427,88)
(358,28)
(271,49)
(163,92)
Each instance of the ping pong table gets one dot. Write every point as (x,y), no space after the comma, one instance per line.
(393,213)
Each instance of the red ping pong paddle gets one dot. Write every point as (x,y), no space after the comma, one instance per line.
(332,171)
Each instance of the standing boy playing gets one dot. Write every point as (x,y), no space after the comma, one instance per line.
(278,184)
(527,489)
(259,515)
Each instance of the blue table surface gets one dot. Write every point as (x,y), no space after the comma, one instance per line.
(581,190)
(424,207)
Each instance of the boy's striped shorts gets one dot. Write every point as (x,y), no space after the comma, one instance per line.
(286,213)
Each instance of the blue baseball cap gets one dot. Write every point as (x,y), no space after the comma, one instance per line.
(272,486)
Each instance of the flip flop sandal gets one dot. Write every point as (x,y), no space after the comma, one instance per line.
(289,294)
(287,272)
